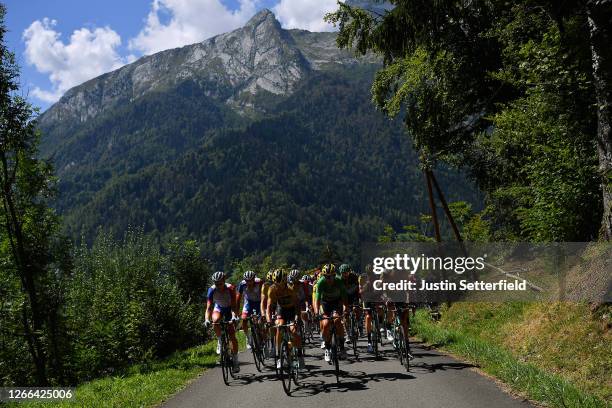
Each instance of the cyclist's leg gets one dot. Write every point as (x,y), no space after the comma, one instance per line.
(279,321)
(288,316)
(339,330)
(338,320)
(231,331)
(247,310)
(326,323)
(368,321)
(357,309)
(404,322)
(216,317)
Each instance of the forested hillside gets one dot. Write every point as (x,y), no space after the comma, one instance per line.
(319,166)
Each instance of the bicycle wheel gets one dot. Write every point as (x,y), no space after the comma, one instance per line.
(231,365)
(354,335)
(286,369)
(335,357)
(301,333)
(225,363)
(383,326)
(256,347)
(404,346)
(397,343)
(375,333)
(296,367)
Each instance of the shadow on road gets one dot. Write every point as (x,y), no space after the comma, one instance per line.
(432,368)
(312,382)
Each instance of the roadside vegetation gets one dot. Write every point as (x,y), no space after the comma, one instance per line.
(143,385)
(557,354)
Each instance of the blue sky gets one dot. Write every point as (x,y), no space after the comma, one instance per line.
(62,43)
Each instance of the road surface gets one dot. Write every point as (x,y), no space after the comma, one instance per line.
(434,381)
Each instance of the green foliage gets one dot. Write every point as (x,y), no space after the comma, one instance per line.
(472,226)
(320,167)
(503,89)
(542,146)
(550,370)
(126,305)
(33,257)
(192,272)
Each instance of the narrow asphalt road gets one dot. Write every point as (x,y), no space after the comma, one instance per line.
(434,381)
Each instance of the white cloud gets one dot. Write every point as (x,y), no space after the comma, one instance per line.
(88,54)
(190,21)
(305,14)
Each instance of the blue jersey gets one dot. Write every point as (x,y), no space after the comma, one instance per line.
(252,294)
(221,298)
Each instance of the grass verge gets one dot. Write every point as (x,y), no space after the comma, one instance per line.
(525,378)
(143,385)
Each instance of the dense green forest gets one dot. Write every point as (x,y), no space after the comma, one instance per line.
(323,167)
(517,93)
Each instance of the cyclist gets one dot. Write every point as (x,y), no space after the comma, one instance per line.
(351,284)
(317,277)
(221,304)
(301,292)
(330,299)
(265,287)
(250,288)
(283,306)
(400,303)
(364,283)
(307,282)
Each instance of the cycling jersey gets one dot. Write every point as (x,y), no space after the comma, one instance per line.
(252,294)
(222,299)
(282,295)
(285,299)
(351,285)
(330,290)
(302,292)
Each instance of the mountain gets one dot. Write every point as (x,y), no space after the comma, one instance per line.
(261,141)
(259,58)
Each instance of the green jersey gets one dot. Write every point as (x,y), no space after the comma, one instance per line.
(330,290)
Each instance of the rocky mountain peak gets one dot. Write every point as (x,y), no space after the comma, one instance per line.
(260,57)
(265,17)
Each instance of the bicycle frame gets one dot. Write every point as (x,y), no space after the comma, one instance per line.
(289,368)
(226,358)
(334,346)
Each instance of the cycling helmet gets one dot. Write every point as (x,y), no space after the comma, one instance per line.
(269,275)
(307,278)
(345,268)
(218,276)
(279,275)
(293,275)
(248,275)
(329,269)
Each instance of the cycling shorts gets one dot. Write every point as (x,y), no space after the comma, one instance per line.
(285,313)
(250,308)
(226,312)
(330,307)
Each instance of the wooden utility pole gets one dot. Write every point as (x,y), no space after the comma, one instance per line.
(445,207)
(432,205)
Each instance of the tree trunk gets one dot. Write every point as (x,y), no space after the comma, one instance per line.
(26,272)
(599,13)
(432,205)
